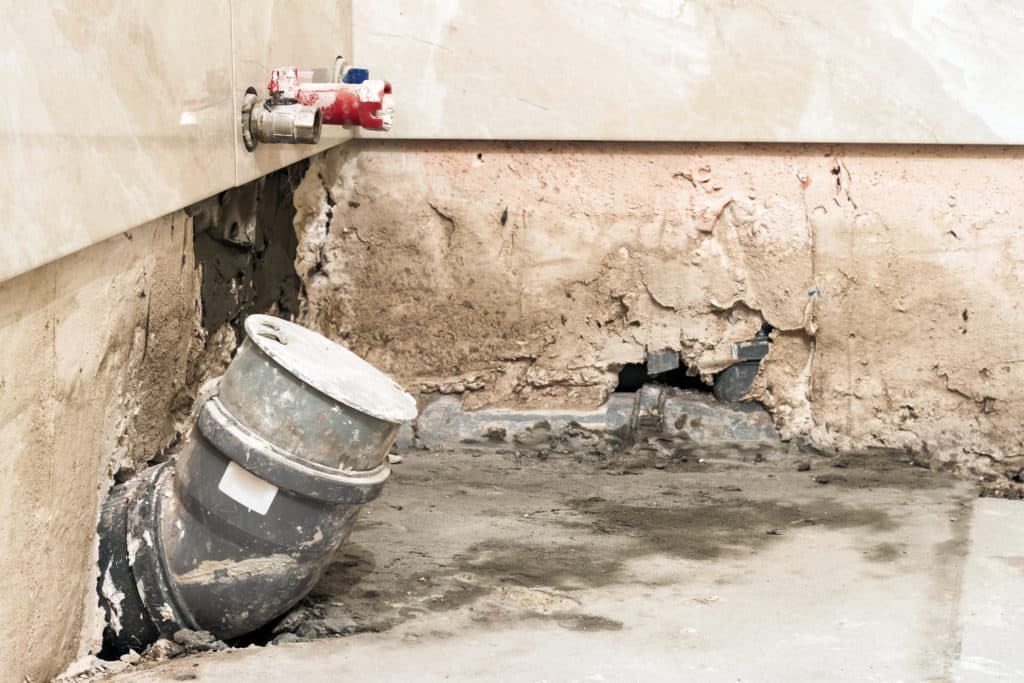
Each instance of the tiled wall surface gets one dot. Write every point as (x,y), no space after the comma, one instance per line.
(119,112)
(892,71)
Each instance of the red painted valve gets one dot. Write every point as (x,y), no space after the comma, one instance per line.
(367,104)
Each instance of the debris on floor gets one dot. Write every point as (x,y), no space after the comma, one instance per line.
(653,413)
(477,554)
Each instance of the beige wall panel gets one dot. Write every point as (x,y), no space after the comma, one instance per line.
(120,112)
(116,112)
(894,71)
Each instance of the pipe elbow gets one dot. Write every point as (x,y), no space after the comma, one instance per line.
(239,527)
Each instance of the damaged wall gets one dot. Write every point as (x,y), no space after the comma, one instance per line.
(93,375)
(105,351)
(526,274)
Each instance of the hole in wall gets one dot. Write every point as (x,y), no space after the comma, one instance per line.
(246,273)
(632,376)
(680,380)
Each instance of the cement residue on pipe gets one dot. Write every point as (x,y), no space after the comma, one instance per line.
(230,571)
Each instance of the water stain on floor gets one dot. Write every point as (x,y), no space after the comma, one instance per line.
(536,544)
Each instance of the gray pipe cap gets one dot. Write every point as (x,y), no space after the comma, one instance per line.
(330,368)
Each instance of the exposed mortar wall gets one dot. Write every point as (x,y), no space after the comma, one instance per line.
(105,351)
(93,378)
(526,274)
(254,269)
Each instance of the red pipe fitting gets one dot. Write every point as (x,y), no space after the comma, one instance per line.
(367,104)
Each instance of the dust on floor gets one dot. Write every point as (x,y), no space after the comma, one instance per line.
(489,566)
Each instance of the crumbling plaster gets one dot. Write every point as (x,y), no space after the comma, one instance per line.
(94,376)
(526,274)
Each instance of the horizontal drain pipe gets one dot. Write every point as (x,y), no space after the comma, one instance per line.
(239,526)
(654,411)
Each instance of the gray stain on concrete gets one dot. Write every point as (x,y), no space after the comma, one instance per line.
(886,552)
(588,542)
(486,545)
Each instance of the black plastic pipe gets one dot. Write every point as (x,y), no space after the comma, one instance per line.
(239,526)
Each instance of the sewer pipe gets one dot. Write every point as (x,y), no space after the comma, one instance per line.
(238,527)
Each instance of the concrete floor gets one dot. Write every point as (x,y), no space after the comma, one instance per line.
(494,567)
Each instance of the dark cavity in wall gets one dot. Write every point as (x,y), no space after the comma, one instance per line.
(632,376)
(245,244)
(731,385)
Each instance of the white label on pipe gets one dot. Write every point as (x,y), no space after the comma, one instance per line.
(247,489)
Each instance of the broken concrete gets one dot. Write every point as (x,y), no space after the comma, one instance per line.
(105,353)
(525,274)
